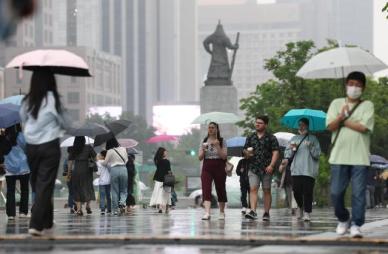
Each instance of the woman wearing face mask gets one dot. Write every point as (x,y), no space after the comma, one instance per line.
(304,149)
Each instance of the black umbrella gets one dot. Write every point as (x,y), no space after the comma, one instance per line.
(88,129)
(115,127)
(118,126)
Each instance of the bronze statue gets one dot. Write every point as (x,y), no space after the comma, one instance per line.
(220,71)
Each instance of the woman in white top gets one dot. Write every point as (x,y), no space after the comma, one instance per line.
(42,116)
(116,158)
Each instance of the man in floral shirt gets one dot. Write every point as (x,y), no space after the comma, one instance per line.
(262,149)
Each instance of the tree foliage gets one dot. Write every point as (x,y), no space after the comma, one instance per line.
(385,9)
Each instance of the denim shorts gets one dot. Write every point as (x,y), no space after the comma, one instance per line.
(262,177)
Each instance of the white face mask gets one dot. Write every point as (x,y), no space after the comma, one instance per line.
(353,92)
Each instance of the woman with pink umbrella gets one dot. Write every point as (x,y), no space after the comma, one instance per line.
(42,115)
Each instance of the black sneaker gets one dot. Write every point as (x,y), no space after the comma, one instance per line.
(266,217)
(88,210)
(251,215)
(102,212)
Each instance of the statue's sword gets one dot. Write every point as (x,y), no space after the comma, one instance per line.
(234,57)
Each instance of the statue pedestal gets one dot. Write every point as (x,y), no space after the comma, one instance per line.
(219,98)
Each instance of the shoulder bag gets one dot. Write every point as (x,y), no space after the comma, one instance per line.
(169,180)
(340,127)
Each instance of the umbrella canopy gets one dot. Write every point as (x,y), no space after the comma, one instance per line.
(377,159)
(60,62)
(317,119)
(69,142)
(218,117)
(88,129)
(161,138)
(339,62)
(118,126)
(115,127)
(9,115)
(102,138)
(17,100)
(236,142)
(284,138)
(127,142)
(235,146)
(132,150)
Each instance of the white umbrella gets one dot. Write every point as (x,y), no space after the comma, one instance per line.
(70,141)
(339,62)
(283,138)
(60,62)
(218,117)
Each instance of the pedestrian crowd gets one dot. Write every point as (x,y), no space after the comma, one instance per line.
(32,156)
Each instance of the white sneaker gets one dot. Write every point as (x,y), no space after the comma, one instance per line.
(11,217)
(35,232)
(342,227)
(23,215)
(306,217)
(206,216)
(355,231)
(221,216)
(299,213)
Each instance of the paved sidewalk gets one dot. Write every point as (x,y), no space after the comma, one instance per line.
(183,229)
(187,224)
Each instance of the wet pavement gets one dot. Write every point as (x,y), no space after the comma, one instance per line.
(183,229)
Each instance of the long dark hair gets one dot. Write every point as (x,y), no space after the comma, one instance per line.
(42,81)
(220,139)
(78,145)
(159,155)
(11,134)
(111,143)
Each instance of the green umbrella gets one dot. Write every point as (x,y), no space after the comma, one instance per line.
(218,117)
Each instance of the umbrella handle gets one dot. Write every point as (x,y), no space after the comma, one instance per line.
(20,70)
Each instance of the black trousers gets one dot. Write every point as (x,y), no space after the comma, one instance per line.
(244,187)
(303,187)
(130,201)
(43,160)
(24,192)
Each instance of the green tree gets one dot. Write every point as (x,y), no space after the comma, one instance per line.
(385,9)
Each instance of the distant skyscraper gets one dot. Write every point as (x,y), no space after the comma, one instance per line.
(157,41)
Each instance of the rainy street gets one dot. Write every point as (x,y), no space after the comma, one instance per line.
(183,229)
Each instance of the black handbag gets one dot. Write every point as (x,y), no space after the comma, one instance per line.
(169,180)
(92,165)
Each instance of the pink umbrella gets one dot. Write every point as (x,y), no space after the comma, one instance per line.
(162,138)
(60,62)
(128,143)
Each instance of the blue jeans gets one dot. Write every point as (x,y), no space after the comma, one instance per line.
(119,183)
(341,175)
(105,200)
